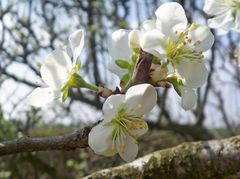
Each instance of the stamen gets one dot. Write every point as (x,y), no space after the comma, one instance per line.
(139,106)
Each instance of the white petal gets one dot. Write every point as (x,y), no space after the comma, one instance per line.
(56,69)
(153,42)
(171,17)
(119,49)
(134,38)
(42,96)
(204,35)
(120,72)
(100,139)
(149,24)
(194,73)
(142,98)
(224,22)
(189,98)
(214,7)
(76,41)
(118,45)
(111,106)
(130,149)
(138,128)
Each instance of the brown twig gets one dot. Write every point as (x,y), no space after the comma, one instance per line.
(78,139)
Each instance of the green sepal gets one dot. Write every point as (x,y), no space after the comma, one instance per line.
(122,63)
(65,94)
(76,81)
(176,82)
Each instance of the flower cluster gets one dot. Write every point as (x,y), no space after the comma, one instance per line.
(177,49)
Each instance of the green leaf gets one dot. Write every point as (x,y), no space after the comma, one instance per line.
(122,63)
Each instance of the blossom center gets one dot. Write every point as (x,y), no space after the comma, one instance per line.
(181,47)
(124,122)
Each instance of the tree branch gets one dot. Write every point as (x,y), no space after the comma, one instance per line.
(78,139)
(208,159)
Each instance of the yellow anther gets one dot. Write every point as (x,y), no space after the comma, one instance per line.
(64,47)
(189,40)
(39,65)
(139,106)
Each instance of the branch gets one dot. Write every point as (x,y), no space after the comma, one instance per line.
(78,139)
(208,159)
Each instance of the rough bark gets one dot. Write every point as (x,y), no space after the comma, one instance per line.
(207,159)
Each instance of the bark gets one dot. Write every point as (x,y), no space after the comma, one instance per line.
(78,139)
(206,159)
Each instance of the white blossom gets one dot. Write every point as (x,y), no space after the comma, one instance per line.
(58,72)
(123,122)
(226,15)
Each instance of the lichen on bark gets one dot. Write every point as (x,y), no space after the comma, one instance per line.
(193,160)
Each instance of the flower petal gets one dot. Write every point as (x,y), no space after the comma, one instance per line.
(223,22)
(134,38)
(100,139)
(153,42)
(119,49)
(171,17)
(120,72)
(204,35)
(56,69)
(189,98)
(111,106)
(213,7)
(118,45)
(142,98)
(194,73)
(76,41)
(129,150)
(42,96)
(149,24)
